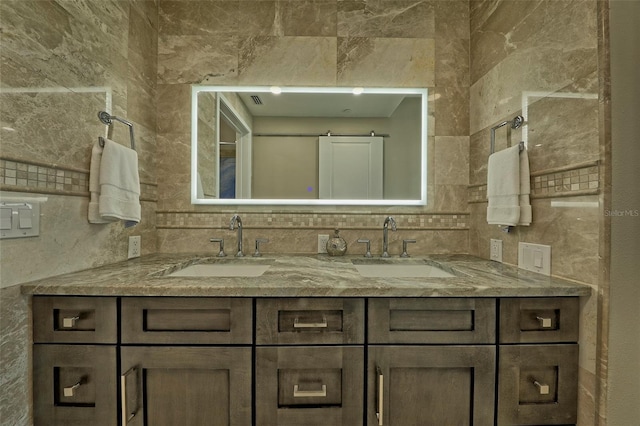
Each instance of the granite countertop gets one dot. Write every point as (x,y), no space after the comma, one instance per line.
(304,276)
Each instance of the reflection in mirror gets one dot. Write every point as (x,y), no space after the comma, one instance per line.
(308,146)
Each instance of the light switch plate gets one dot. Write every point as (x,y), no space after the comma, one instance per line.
(534,257)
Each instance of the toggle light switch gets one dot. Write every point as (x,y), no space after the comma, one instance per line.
(5,218)
(25,216)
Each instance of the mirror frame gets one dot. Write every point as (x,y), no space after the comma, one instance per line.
(196,89)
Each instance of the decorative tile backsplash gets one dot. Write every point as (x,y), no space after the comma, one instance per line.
(53,179)
(581,179)
(292,220)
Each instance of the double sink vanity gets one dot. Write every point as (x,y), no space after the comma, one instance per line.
(280,340)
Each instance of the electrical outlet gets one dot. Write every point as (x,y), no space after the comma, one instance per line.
(322,243)
(496,250)
(134,247)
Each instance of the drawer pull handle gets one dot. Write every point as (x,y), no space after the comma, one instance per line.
(297,393)
(298,324)
(126,413)
(379,396)
(544,322)
(70,322)
(543,389)
(70,391)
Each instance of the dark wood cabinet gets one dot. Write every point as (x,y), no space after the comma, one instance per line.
(187,386)
(431,385)
(156,361)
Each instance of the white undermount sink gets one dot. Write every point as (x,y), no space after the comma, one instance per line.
(410,268)
(221,270)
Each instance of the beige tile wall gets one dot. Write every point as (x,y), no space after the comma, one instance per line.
(62,62)
(540,59)
(399,43)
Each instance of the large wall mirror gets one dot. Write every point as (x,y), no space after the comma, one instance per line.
(308,145)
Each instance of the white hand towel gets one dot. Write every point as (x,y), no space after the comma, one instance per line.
(119,184)
(525,190)
(94,185)
(503,187)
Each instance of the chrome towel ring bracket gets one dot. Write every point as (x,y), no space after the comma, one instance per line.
(107,119)
(516,123)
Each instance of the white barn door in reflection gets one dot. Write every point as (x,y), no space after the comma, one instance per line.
(350,167)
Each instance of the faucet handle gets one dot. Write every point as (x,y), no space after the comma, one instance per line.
(221,241)
(258,241)
(368,243)
(404,247)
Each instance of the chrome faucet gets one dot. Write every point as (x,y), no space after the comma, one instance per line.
(236,219)
(385,234)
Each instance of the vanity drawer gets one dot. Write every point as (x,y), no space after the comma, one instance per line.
(537,384)
(309,321)
(316,385)
(70,319)
(184,320)
(431,320)
(74,384)
(539,320)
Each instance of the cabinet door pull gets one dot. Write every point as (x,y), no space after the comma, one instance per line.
(323,324)
(379,396)
(127,413)
(544,322)
(543,389)
(70,391)
(297,393)
(70,322)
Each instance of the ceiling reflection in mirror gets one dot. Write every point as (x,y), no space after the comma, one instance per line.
(308,145)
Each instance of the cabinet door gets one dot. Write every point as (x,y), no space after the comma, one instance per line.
(310,386)
(74,385)
(187,386)
(431,385)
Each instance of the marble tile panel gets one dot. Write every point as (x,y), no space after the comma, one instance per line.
(451,160)
(554,57)
(562,131)
(572,233)
(315,18)
(276,60)
(141,92)
(174,108)
(586,399)
(148,9)
(65,49)
(48,136)
(15,358)
(146,149)
(203,18)
(394,62)
(449,197)
(174,171)
(197,59)
(589,335)
(497,29)
(452,19)
(260,18)
(479,148)
(451,111)
(452,62)
(386,18)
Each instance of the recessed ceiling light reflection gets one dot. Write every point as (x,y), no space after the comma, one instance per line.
(276,90)
(358,90)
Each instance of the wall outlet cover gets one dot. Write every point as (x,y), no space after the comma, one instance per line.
(496,250)
(534,257)
(134,246)
(322,243)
